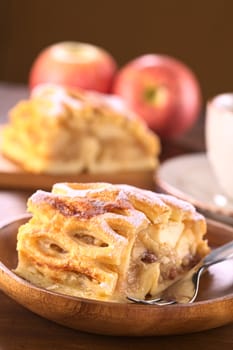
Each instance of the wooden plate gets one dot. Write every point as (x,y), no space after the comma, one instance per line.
(212,309)
(11,176)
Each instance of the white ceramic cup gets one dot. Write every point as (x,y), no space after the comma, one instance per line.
(219,140)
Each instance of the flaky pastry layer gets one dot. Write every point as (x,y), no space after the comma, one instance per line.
(59,131)
(106,242)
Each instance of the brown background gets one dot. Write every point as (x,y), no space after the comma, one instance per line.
(199,32)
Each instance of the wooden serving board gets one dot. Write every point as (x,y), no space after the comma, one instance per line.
(13,177)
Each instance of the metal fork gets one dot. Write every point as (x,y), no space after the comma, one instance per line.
(192,279)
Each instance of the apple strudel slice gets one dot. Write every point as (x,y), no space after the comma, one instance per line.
(59,131)
(105,242)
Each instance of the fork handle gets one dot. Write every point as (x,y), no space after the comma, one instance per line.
(219,254)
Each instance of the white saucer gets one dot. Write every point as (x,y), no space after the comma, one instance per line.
(190,177)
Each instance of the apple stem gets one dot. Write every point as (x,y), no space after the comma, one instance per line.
(155,95)
(150,94)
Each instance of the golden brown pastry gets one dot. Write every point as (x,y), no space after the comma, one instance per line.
(59,131)
(104,241)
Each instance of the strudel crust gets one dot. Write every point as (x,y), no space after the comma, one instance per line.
(105,242)
(59,131)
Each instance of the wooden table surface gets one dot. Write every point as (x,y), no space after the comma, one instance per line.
(21,329)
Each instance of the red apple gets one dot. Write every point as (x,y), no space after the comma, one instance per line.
(161,90)
(74,64)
